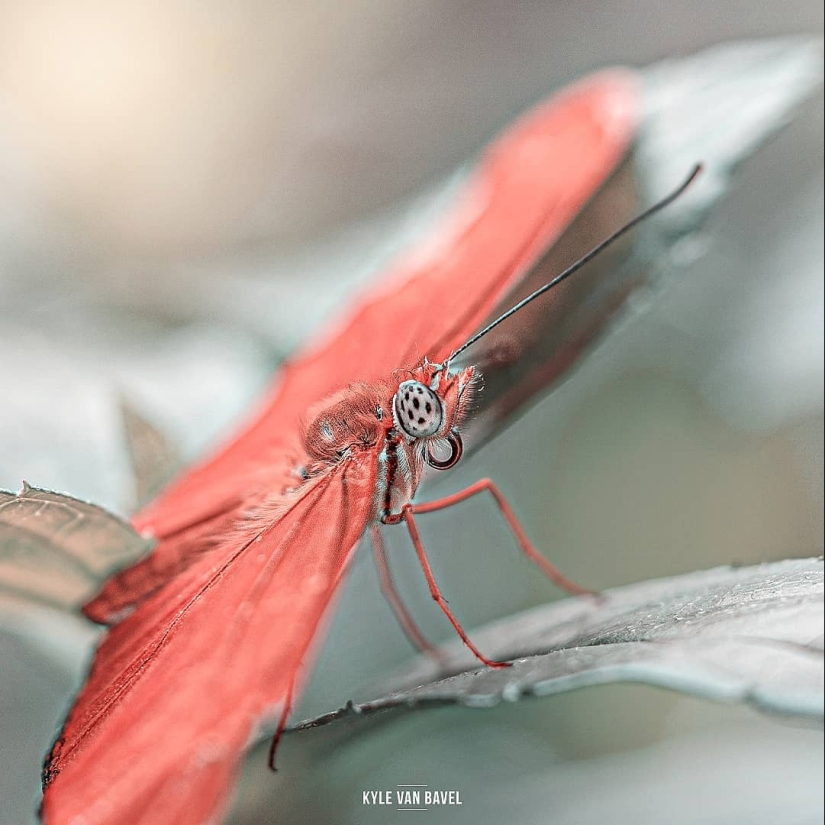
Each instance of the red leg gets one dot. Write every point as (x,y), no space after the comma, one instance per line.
(408,517)
(406,621)
(524,543)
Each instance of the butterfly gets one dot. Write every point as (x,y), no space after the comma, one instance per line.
(210,636)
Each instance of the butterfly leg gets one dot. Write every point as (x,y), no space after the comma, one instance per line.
(408,517)
(525,545)
(408,625)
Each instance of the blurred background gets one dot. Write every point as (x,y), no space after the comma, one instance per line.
(189,190)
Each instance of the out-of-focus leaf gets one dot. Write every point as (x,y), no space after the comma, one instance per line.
(61,424)
(56,550)
(720,106)
(686,118)
(750,634)
(154,460)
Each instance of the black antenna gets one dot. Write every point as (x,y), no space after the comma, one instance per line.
(583,260)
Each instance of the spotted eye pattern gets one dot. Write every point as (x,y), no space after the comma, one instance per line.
(417,409)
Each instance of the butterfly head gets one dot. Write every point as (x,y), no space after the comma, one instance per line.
(429,407)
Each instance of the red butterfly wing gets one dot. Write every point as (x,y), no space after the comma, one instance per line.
(178,688)
(220,625)
(527,187)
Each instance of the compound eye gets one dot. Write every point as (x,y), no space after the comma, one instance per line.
(418,409)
